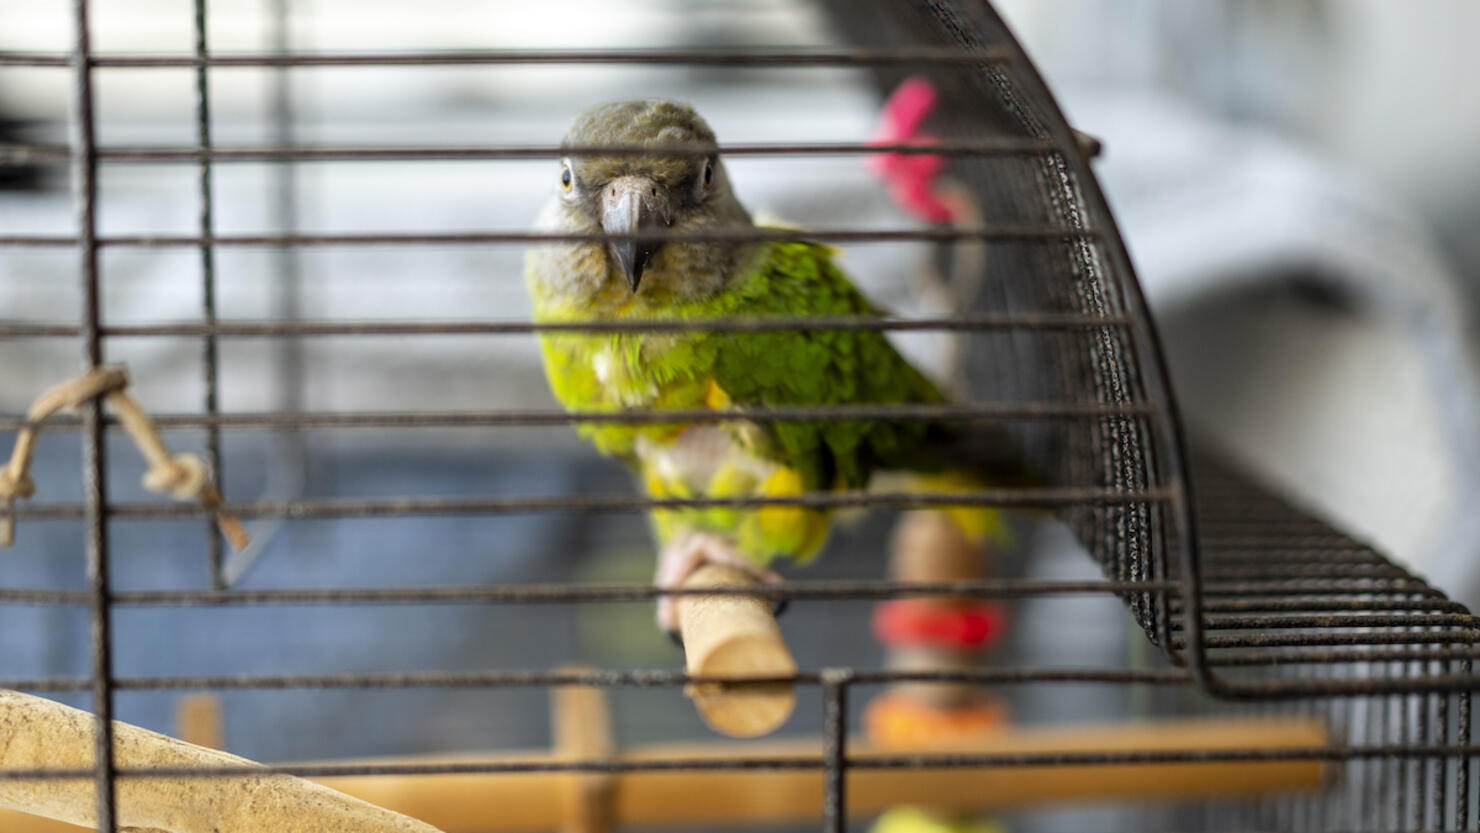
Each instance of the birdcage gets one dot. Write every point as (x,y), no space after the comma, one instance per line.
(432,561)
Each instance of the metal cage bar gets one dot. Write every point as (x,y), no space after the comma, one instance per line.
(31,154)
(760,58)
(210,362)
(95,510)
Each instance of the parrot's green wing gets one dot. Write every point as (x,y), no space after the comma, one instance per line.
(819,367)
(836,367)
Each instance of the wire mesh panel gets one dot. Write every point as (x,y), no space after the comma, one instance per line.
(1116,365)
(1295,610)
(1061,362)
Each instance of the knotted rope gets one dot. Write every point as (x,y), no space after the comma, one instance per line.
(181,476)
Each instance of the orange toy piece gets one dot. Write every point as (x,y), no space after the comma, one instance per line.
(894,720)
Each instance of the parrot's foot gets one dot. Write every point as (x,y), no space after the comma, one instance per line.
(686,554)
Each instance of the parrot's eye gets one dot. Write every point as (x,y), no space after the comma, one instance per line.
(566,177)
(708,172)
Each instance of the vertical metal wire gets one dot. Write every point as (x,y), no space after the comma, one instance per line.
(94,469)
(1287,806)
(1377,767)
(288,305)
(286,472)
(1400,737)
(1343,714)
(209,355)
(1440,737)
(1317,807)
(835,749)
(285,209)
(1462,763)
(1420,766)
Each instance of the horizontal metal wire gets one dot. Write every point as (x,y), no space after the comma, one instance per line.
(1000,234)
(797,58)
(1276,556)
(987,411)
(719,324)
(1238,554)
(1351,656)
(1272,528)
(1405,585)
(1373,619)
(568,593)
(796,762)
(36,154)
(1337,602)
(632,678)
(1310,639)
(1232,547)
(1358,687)
(390,507)
(1334,571)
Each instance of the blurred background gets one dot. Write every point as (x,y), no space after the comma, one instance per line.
(1292,178)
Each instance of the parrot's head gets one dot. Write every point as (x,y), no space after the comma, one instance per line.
(642,194)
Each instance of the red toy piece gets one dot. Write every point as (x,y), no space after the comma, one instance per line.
(917,622)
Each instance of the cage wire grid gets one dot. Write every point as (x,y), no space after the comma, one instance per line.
(1261,603)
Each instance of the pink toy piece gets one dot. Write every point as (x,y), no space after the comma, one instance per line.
(910,177)
(907,108)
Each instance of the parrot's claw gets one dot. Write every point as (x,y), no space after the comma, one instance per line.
(683,556)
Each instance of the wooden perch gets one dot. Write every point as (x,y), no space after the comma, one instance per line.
(736,798)
(198,720)
(735,636)
(581,728)
(36,733)
(525,803)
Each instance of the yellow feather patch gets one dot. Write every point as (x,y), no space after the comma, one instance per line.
(980,524)
(715,397)
(782,523)
(731,480)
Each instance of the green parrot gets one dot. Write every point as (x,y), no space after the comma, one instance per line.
(687,280)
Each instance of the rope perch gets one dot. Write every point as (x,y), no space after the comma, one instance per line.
(181,476)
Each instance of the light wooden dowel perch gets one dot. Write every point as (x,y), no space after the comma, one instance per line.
(526,803)
(738,798)
(36,733)
(735,636)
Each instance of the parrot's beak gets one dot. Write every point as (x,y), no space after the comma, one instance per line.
(633,205)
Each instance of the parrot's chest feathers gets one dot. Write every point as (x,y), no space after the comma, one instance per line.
(642,370)
(703,460)
(629,386)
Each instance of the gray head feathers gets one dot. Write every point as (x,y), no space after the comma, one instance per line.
(644,121)
(629,195)
(648,122)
